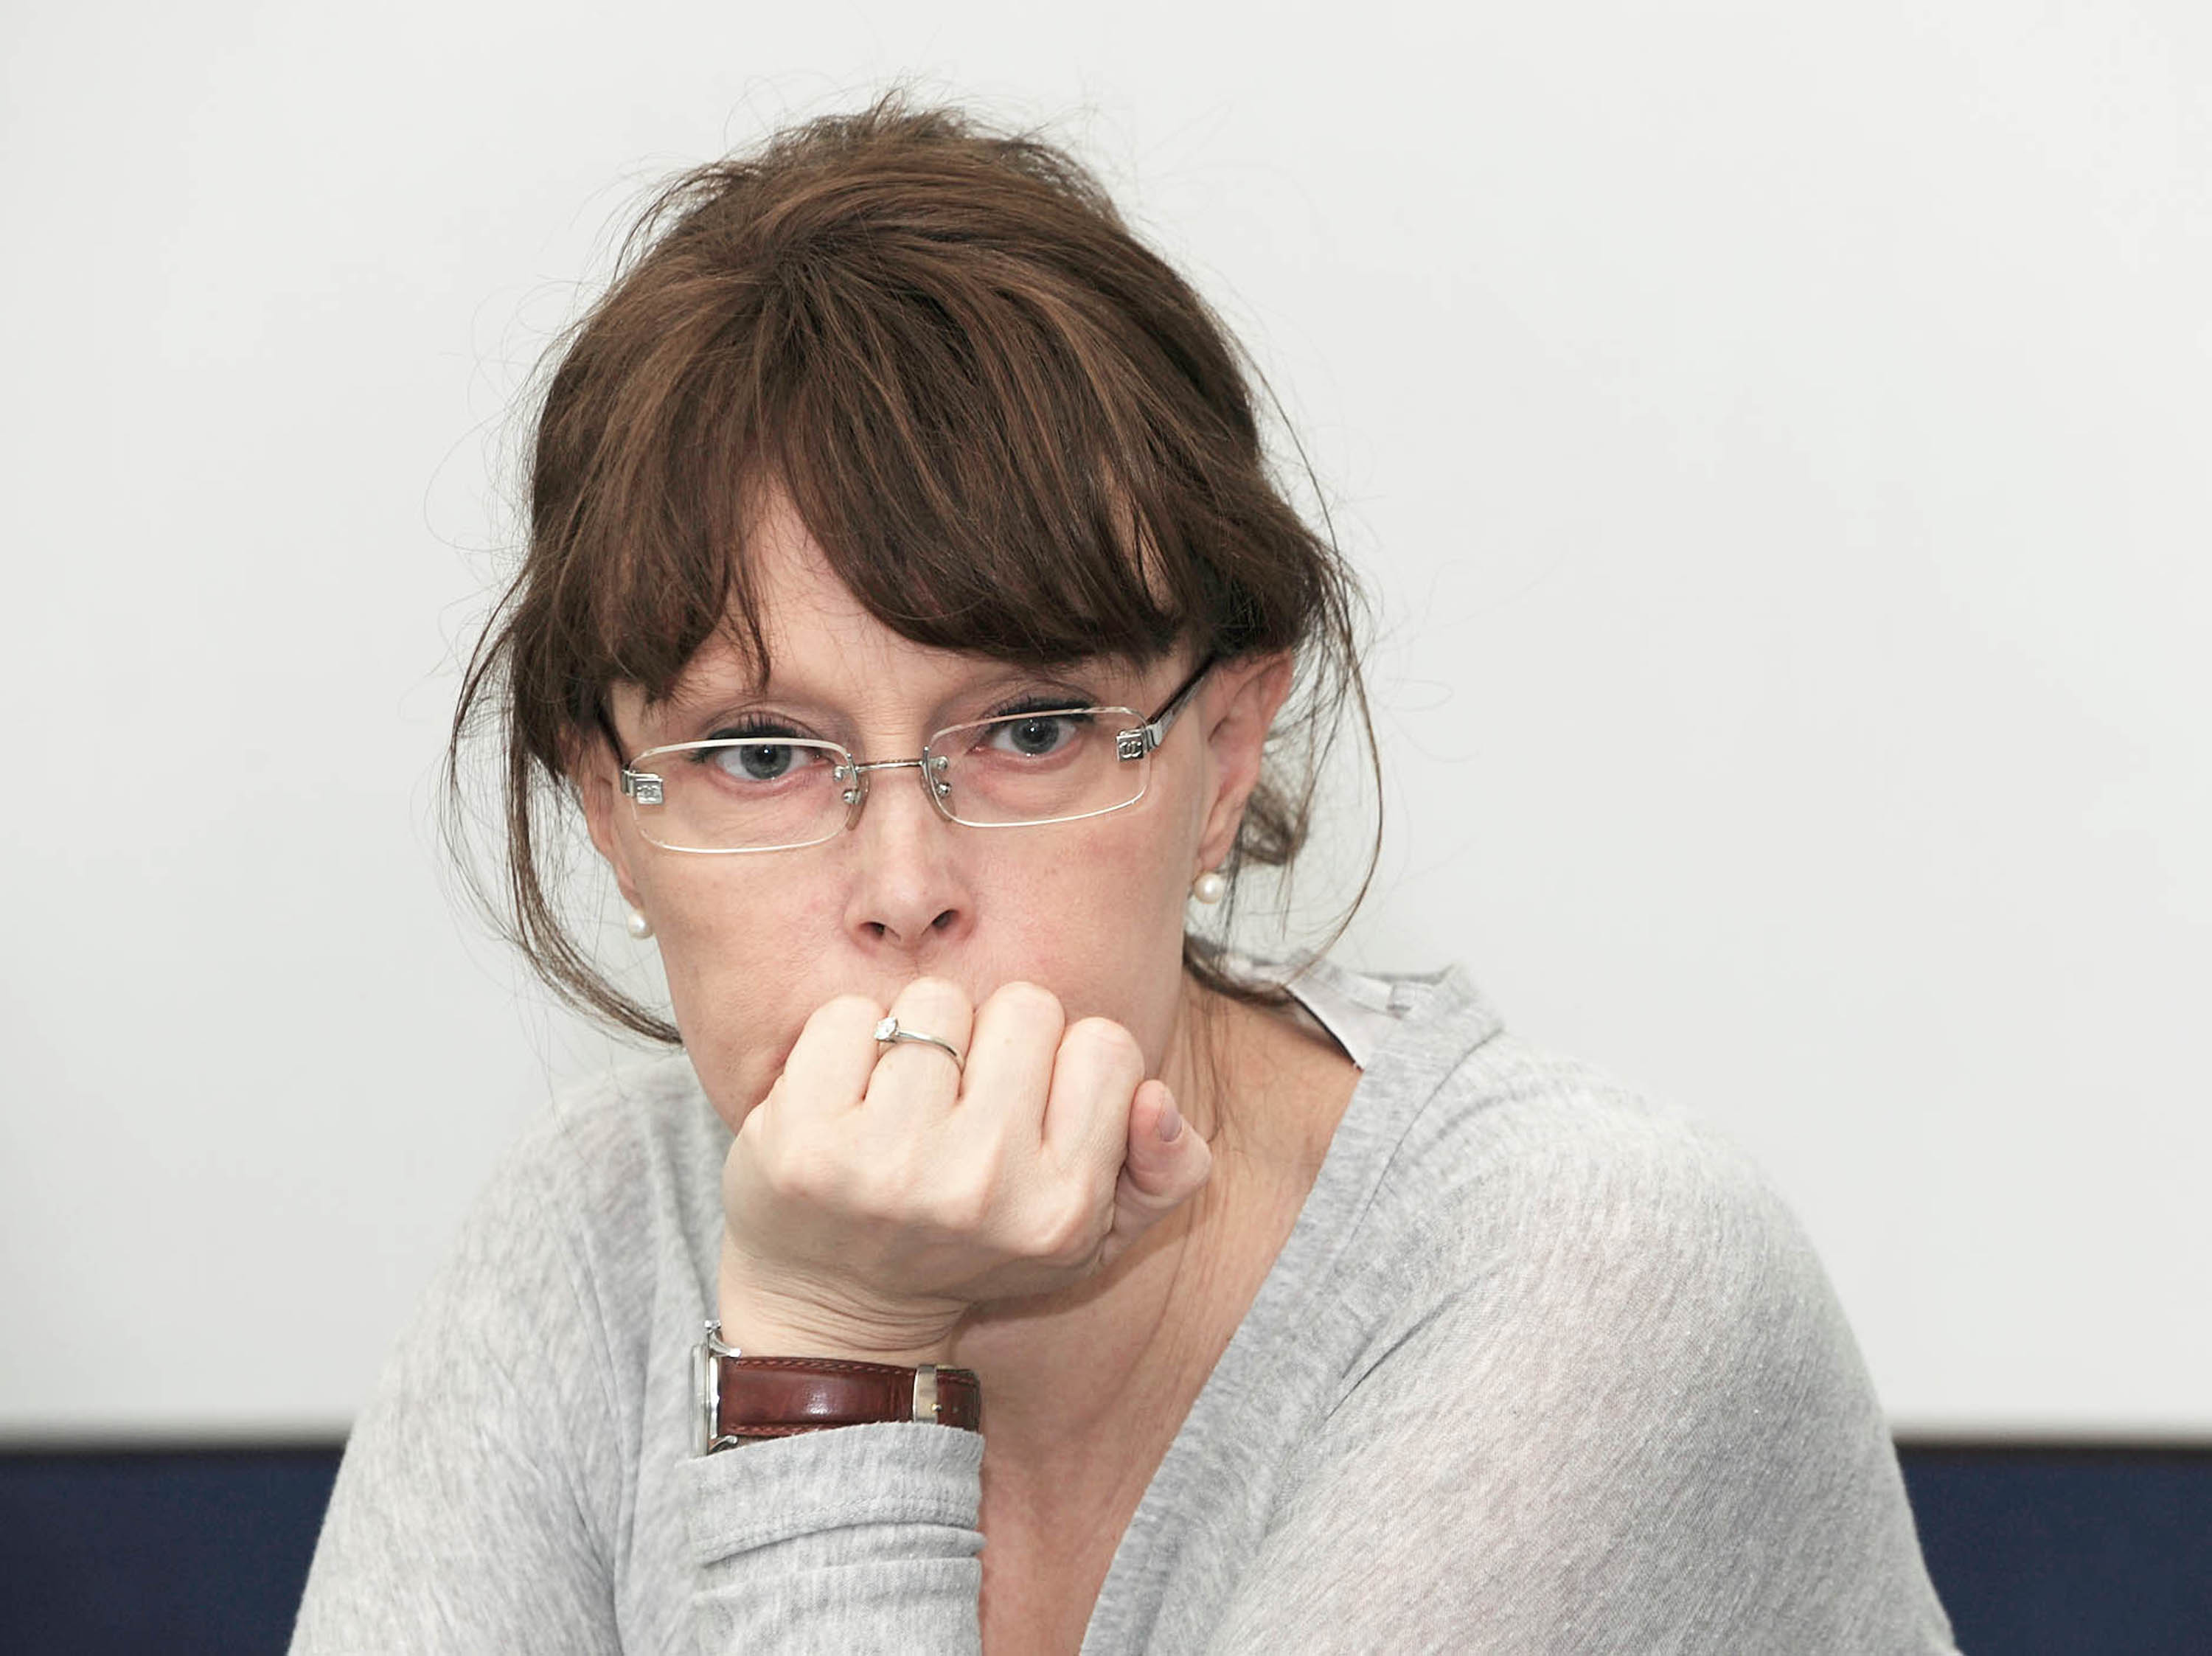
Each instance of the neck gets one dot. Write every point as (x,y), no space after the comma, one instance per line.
(1127,1350)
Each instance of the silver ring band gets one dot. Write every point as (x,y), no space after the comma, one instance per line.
(888,1033)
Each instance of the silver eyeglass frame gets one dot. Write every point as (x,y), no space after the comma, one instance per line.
(1132,745)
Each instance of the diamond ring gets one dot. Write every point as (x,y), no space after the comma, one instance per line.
(888,1032)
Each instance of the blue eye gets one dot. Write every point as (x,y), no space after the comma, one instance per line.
(760,761)
(1036,735)
(749,753)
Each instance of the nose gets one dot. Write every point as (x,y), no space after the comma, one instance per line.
(909,893)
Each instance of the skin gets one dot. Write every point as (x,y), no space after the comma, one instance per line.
(1082,1215)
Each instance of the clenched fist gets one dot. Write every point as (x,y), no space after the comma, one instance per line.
(878,1192)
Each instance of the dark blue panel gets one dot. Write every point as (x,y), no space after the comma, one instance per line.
(2066,1552)
(176,1552)
(2034,1551)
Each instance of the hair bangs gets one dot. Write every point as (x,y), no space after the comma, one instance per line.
(966,457)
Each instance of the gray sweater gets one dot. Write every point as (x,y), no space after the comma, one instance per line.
(1541,1367)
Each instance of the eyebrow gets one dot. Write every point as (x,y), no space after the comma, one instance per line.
(681,704)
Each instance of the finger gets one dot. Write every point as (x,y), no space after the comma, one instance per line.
(1095,1077)
(827,1072)
(1167,1164)
(1010,1061)
(909,1074)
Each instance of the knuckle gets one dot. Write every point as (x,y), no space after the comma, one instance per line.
(877,1191)
(1067,1232)
(936,989)
(824,1170)
(1108,1044)
(872,1199)
(841,1010)
(963,1206)
(797,1172)
(969,1200)
(1030,1002)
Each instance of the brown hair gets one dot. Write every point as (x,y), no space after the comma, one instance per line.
(1010,426)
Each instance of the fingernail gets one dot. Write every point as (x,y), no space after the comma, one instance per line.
(1171,1127)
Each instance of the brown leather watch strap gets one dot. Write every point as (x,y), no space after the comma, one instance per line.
(749,1397)
(773,1397)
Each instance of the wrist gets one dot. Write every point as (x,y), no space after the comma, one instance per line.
(773,1322)
(758,1335)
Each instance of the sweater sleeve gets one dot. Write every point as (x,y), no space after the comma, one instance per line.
(862,1539)
(472,1509)
(1626,1416)
(489,1499)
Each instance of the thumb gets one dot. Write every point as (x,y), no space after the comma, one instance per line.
(1167,1164)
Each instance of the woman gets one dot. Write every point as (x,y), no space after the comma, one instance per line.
(910,616)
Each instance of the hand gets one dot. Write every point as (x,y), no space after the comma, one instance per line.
(877,1193)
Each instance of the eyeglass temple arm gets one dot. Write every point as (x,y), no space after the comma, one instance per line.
(1135,745)
(646,789)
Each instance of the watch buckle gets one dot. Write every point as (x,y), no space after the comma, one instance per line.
(925,1392)
(707,1388)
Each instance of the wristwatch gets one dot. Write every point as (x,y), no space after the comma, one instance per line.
(741,1398)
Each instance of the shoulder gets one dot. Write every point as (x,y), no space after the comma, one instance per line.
(1560,1198)
(1589,1356)
(627,1161)
(1629,1233)
(1520,1142)
(613,1187)
(621,1131)
(1485,1125)
(512,1402)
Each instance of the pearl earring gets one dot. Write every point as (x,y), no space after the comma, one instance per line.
(640,927)
(1209,886)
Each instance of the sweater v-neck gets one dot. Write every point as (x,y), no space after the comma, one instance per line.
(1406,1033)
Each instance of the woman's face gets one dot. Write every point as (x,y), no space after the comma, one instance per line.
(1092,909)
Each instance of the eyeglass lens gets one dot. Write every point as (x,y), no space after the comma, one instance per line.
(761,795)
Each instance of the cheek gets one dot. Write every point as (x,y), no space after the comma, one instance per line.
(1098,918)
(741,955)
(1103,881)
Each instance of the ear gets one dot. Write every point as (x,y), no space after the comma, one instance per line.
(592,768)
(1238,705)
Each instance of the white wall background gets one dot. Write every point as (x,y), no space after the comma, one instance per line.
(1777,436)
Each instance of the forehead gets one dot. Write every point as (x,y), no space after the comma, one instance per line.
(802,606)
(823,641)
